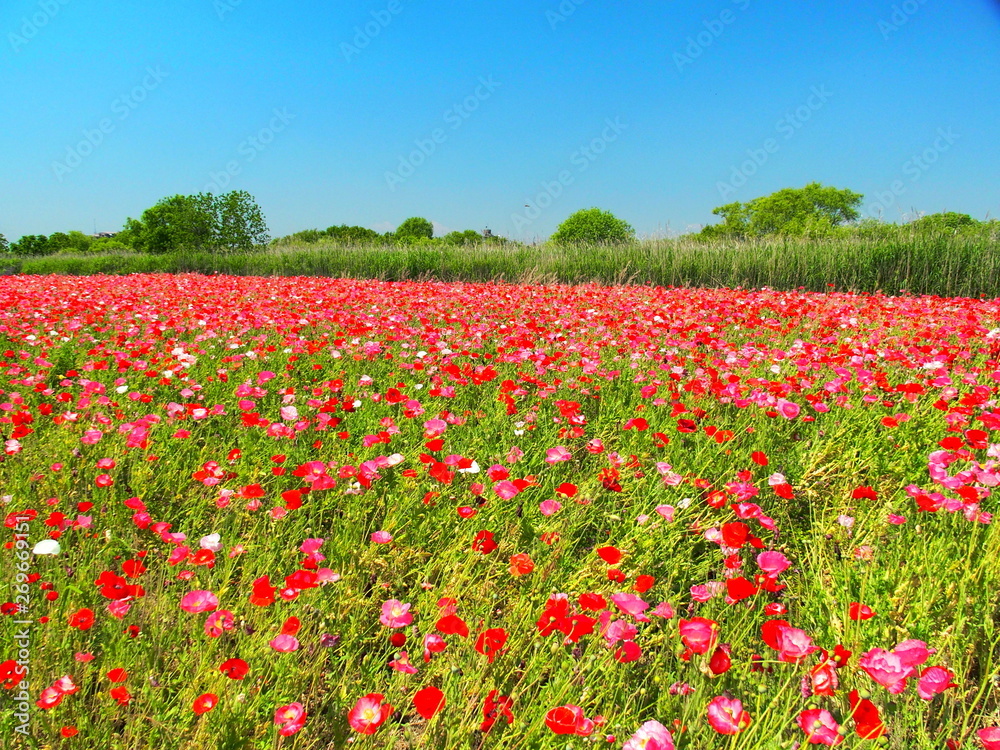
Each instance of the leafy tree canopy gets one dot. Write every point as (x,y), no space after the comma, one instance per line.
(31,244)
(415,228)
(203,222)
(593,226)
(468,237)
(813,210)
(946,221)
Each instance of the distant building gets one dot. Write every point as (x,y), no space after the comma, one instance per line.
(101,235)
(487,232)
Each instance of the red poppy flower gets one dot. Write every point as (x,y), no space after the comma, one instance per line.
(569,719)
(496,707)
(205,703)
(452,625)
(82,619)
(610,555)
(491,642)
(234,669)
(262,594)
(483,542)
(857,611)
(428,701)
(521,564)
(867,721)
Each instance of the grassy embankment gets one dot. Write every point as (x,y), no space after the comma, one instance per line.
(920,263)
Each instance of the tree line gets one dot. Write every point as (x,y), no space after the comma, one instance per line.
(234,222)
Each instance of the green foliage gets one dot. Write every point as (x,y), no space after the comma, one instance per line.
(72,242)
(343,234)
(948,221)
(204,222)
(239,221)
(414,228)
(108,245)
(174,223)
(868,257)
(4,245)
(31,244)
(468,237)
(812,211)
(593,226)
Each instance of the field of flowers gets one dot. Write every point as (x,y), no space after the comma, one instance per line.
(310,513)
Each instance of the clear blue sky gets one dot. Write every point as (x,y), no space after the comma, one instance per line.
(846,93)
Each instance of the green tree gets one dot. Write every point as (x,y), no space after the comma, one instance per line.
(947,221)
(468,237)
(415,228)
(239,221)
(80,242)
(813,210)
(593,226)
(31,244)
(58,242)
(4,245)
(178,222)
(203,222)
(109,245)
(353,234)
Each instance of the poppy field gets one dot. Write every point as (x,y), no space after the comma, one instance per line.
(312,513)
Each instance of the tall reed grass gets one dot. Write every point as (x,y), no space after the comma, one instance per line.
(921,263)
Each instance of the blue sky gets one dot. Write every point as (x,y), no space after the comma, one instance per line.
(464,113)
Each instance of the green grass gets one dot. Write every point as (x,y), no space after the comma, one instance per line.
(917,262)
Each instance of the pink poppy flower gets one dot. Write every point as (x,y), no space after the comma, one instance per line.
(199,601)
(402,664)
(773,563)
(794,644)
(290,719)
(990,737)
(557,455)
(632,605)
(788,409)
(369,713)
(396,614)
(285,643)
(726,715)
(887,669)
(218,622)
(650,736)
(934,681)
(548,507)
(820,727)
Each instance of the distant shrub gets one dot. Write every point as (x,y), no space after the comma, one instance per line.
(593,226)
